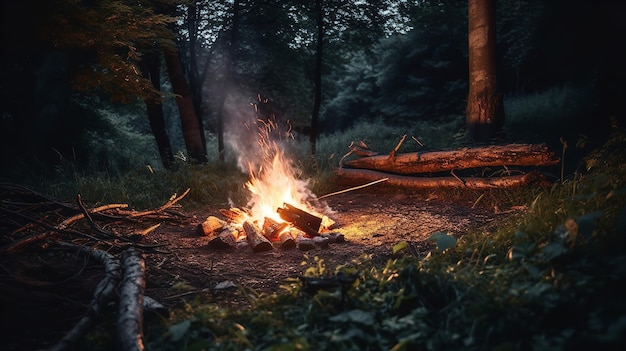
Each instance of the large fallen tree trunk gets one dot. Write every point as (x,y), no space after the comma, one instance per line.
(353,177)
(441,161)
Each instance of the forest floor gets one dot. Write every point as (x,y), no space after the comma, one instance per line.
(44,291)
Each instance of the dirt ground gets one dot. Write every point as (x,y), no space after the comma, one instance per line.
(43,292)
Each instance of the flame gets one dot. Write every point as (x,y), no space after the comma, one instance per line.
(275,183)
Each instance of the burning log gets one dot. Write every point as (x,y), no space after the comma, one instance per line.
(300,219)
(130,312)
(272,229)
(226,239)
(255,238)
(234,214)
(358,176)
(442,161)
(210,226)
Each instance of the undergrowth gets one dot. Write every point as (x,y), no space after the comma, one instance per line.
(550,279)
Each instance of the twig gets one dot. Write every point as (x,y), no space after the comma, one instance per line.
(392,154)
(354,188)
(455,176)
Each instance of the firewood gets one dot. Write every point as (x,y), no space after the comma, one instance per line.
(286,240)
(334,238)
(443,161)
(272,229)
(321,241)
(210,226)
(130,311)
(355,176)
(226,239)
(300,219)
(234,214)
(258,242)
(302,242)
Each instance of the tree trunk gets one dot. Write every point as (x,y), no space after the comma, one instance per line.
(319,9)
(195,82)
(485,111)
(192,133)
(355,177)
(228,78)
(442,161)
(151,69)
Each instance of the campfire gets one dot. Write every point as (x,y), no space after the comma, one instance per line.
(281,212)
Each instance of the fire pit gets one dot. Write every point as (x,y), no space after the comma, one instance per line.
(295,228)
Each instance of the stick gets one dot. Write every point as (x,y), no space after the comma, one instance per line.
(392,154)
(354,188)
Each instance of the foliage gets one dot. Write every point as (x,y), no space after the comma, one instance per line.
(551,279)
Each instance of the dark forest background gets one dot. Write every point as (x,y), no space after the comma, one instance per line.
(72,85)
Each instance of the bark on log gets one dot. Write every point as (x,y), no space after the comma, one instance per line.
(130,312)
(351,177)
(303,243)
(286,240)
(225,240)
(255,238)
(441,161)
(104,292)
(210,226)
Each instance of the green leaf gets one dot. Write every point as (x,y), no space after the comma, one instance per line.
(178,330)
(356,316)
(553,250)
(400,246)
(444,240)
(519,251)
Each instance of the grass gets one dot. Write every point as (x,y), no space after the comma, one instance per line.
(550,279)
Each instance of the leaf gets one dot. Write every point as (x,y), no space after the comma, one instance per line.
(444,240)
(226,284)
(553,250)
(400,246)
(178,330)
(587,222)
(355,316)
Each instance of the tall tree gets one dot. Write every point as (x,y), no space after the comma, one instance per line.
(485,111)
(151,68)
(319,54)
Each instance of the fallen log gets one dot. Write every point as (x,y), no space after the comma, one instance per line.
(255,238)
(350,177)
(130,311)
(442,161)
(104,292)
(302,242)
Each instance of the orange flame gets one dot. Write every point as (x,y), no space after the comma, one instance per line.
(274,184)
